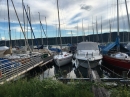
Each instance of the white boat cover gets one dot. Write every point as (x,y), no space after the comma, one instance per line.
(87,46)
(3,48)
(120,55)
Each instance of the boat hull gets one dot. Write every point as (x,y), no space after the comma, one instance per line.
(121,63)
(86,64)
(63,61)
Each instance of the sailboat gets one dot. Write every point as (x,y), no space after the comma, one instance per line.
(63,57)
(117,59)
(2,50)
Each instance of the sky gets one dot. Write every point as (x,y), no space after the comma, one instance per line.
(77,17)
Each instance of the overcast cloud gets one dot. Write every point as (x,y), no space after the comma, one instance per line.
(72,13)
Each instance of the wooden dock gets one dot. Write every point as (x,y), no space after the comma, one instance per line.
(97,90)
(27,64)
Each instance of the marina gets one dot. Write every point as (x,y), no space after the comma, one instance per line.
(60,48)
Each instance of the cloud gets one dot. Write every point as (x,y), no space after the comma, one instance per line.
(2,38)
(86,7)
(71,14)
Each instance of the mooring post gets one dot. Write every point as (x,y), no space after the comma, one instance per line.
(124,74)
(125,77)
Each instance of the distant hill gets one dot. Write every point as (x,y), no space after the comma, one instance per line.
(105,37)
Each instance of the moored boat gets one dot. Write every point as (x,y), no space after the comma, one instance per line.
(63,58)
(87,54)
(117,58)
(120,60)
(2,50)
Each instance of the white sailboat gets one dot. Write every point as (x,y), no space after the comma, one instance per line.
(62,58)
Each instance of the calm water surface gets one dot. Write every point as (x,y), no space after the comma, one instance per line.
(69,71)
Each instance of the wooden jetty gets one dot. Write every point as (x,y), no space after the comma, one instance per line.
(97,90)
(8,74)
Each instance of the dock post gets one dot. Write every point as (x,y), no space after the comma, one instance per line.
(124,74)
(125,77)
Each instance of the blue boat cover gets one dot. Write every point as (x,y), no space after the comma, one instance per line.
(6,64)
(55,49)
(110,46)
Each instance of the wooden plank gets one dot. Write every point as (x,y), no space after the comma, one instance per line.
(97,90)
(105,92)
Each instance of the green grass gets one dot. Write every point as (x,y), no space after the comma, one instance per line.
(45,88)
(54,88)
(120,91)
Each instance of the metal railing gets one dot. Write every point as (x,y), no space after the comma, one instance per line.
(13,68)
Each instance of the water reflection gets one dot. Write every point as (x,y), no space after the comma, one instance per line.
(64,71)
(68,71)
(47,71)
(81,72)
(112,71)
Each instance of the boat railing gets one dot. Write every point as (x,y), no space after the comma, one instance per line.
(13,68)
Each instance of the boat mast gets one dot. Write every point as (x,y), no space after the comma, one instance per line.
(15,36)
(101,30)
(24,23)
(128,18)
(118,48)
(97,30)
(59,25)
(31,26)
(110,31)
(77,33)
(27,22)
(40,28)
(88,33)
(83,30)
(71,37)
(5,38)
(20,25)
(93,29)
(46,31)
(117,18)
(10,43)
